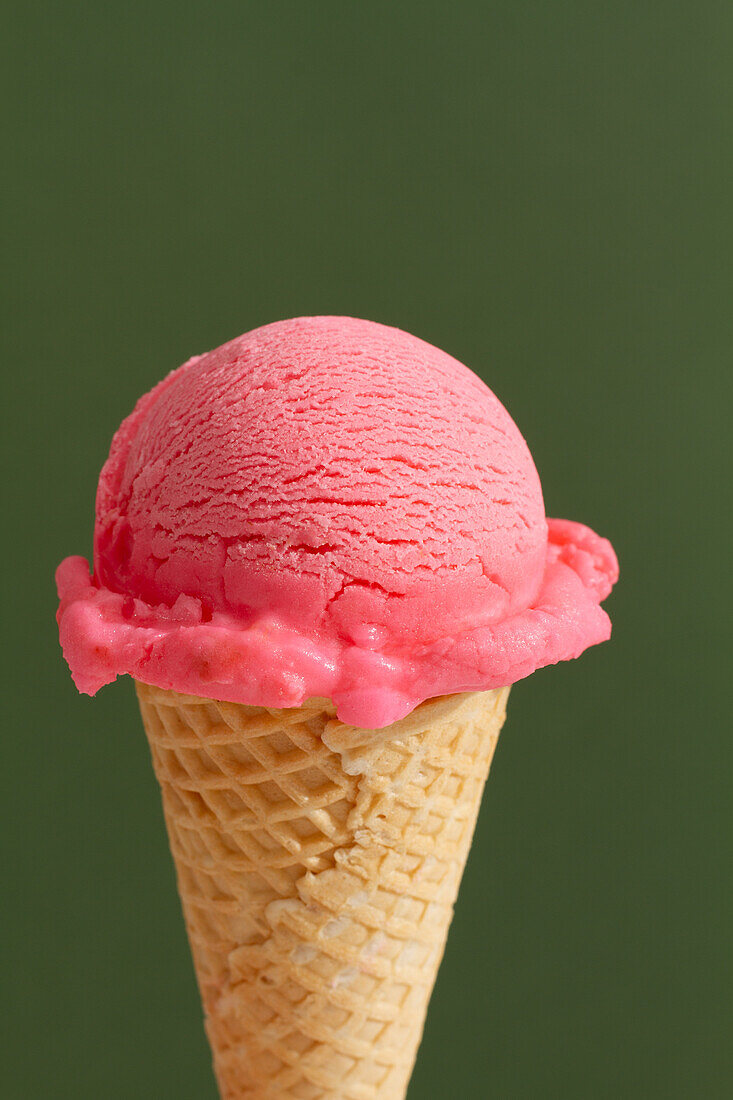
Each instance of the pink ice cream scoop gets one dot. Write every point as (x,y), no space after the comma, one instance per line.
(327,507)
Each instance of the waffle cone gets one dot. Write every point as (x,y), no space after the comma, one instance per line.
(318,865)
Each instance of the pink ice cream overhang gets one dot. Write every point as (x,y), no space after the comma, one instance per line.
(327,507)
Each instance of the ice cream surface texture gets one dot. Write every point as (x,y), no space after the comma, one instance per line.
(327,507)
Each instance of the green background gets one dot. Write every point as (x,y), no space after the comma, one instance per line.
(544,190)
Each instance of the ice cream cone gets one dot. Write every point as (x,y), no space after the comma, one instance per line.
(330,516)
(318,865)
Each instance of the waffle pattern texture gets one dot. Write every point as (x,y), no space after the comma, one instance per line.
(318,865)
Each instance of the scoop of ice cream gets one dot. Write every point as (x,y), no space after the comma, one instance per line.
(327,506)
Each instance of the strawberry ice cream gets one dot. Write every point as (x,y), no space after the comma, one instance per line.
(327,507)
